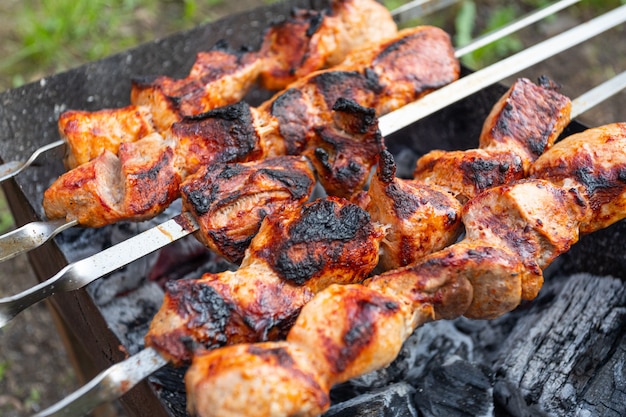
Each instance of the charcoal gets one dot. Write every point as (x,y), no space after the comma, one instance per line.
(392,401)
(568,359)
(600,253)
(455,388)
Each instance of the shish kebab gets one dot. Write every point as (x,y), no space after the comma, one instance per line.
(416,217)
(412,9)
(513,232)
(35,234)
(81,273)
(525,244)
(230,299)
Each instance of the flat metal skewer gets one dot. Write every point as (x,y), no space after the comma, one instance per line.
(120,378)
(12,168)
(78,274)
(10,246)
(108,385)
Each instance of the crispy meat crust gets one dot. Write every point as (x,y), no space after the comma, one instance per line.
(297,252)
(229,201)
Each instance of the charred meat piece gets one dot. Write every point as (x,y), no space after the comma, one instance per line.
(137,185)
(527,119)
(592,162)
(465,174)
(229,201)
(421,218)
(513,231)
(344,152)
(523,124)
(297,252)
(311,40)
(226,134)
(218,77)
(88,134)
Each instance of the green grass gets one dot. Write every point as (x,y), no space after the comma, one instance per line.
(47,36)
(6,222)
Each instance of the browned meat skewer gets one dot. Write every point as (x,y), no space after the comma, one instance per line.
(326,116)
(297,252)
(307,41)
(435,215)
(423,214)
(512,233)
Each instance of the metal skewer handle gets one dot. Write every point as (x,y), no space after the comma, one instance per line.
(12,168)
(78,274)
(108,385)
(30,236)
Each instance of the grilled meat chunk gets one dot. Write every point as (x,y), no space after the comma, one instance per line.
(528,119)
(594,163)
(218,77)
(421,218)
(512,232)
(137,185)
(384,77)
(229,201)
(309,40)
(523,124)
(297,252)
(344,152)
(465,174)
(225,134)
(88,134)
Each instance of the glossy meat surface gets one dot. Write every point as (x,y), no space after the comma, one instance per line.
(229,201)
(297,252)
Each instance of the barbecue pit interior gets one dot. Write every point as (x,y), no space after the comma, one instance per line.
(111,317)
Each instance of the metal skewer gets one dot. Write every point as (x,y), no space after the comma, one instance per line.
(118,379)
(78,274)
(12,168)
(10,246)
